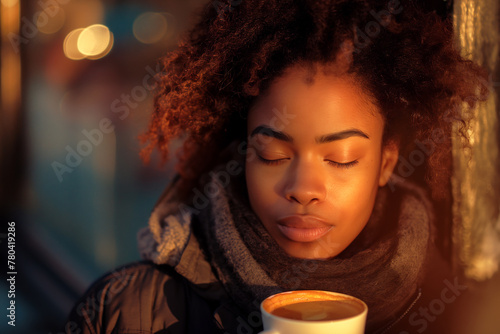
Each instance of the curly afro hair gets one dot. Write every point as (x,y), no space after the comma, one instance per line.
(405,57)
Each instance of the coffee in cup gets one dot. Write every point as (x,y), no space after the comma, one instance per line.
(313,311)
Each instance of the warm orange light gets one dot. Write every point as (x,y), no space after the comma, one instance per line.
(95,41)
(51,19)
(10,78)
(105,51)
(10,17)
(83,13)
(10,3)
(70,45)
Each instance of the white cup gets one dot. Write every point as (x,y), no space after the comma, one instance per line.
(350,317)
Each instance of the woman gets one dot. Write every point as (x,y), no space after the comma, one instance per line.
(294,116)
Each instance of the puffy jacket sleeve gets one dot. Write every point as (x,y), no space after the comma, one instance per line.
(131,299)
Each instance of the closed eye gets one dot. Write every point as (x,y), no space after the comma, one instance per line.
(344,165)
(271,162)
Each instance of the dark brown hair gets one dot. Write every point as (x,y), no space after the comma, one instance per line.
(406,59)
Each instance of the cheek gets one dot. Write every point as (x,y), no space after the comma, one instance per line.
(354,197)
(260,188)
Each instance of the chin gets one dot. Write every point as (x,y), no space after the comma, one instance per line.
(312,250)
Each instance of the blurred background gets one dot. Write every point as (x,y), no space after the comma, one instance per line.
(77,82)
(77,78)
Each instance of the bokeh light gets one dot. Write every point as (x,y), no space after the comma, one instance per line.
(51,20)
(71,45)
(94,41)
(83,13)
(10,3)
(106,50)
(150,27)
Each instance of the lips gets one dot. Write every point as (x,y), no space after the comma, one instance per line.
(303,228)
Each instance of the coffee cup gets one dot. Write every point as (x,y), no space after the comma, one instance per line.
(313,311)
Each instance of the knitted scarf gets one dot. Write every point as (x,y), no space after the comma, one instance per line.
(383,266)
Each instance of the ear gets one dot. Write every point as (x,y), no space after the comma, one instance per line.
(390,154)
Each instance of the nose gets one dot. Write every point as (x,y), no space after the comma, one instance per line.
(305,183)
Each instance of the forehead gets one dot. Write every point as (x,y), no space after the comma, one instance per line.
(319,101)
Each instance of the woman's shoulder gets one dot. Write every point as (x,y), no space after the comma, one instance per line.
(142,275)
(134,298)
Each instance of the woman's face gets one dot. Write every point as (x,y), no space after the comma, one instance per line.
(315,162)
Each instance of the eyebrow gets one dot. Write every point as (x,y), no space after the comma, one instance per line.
(267,131)
(341,135)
